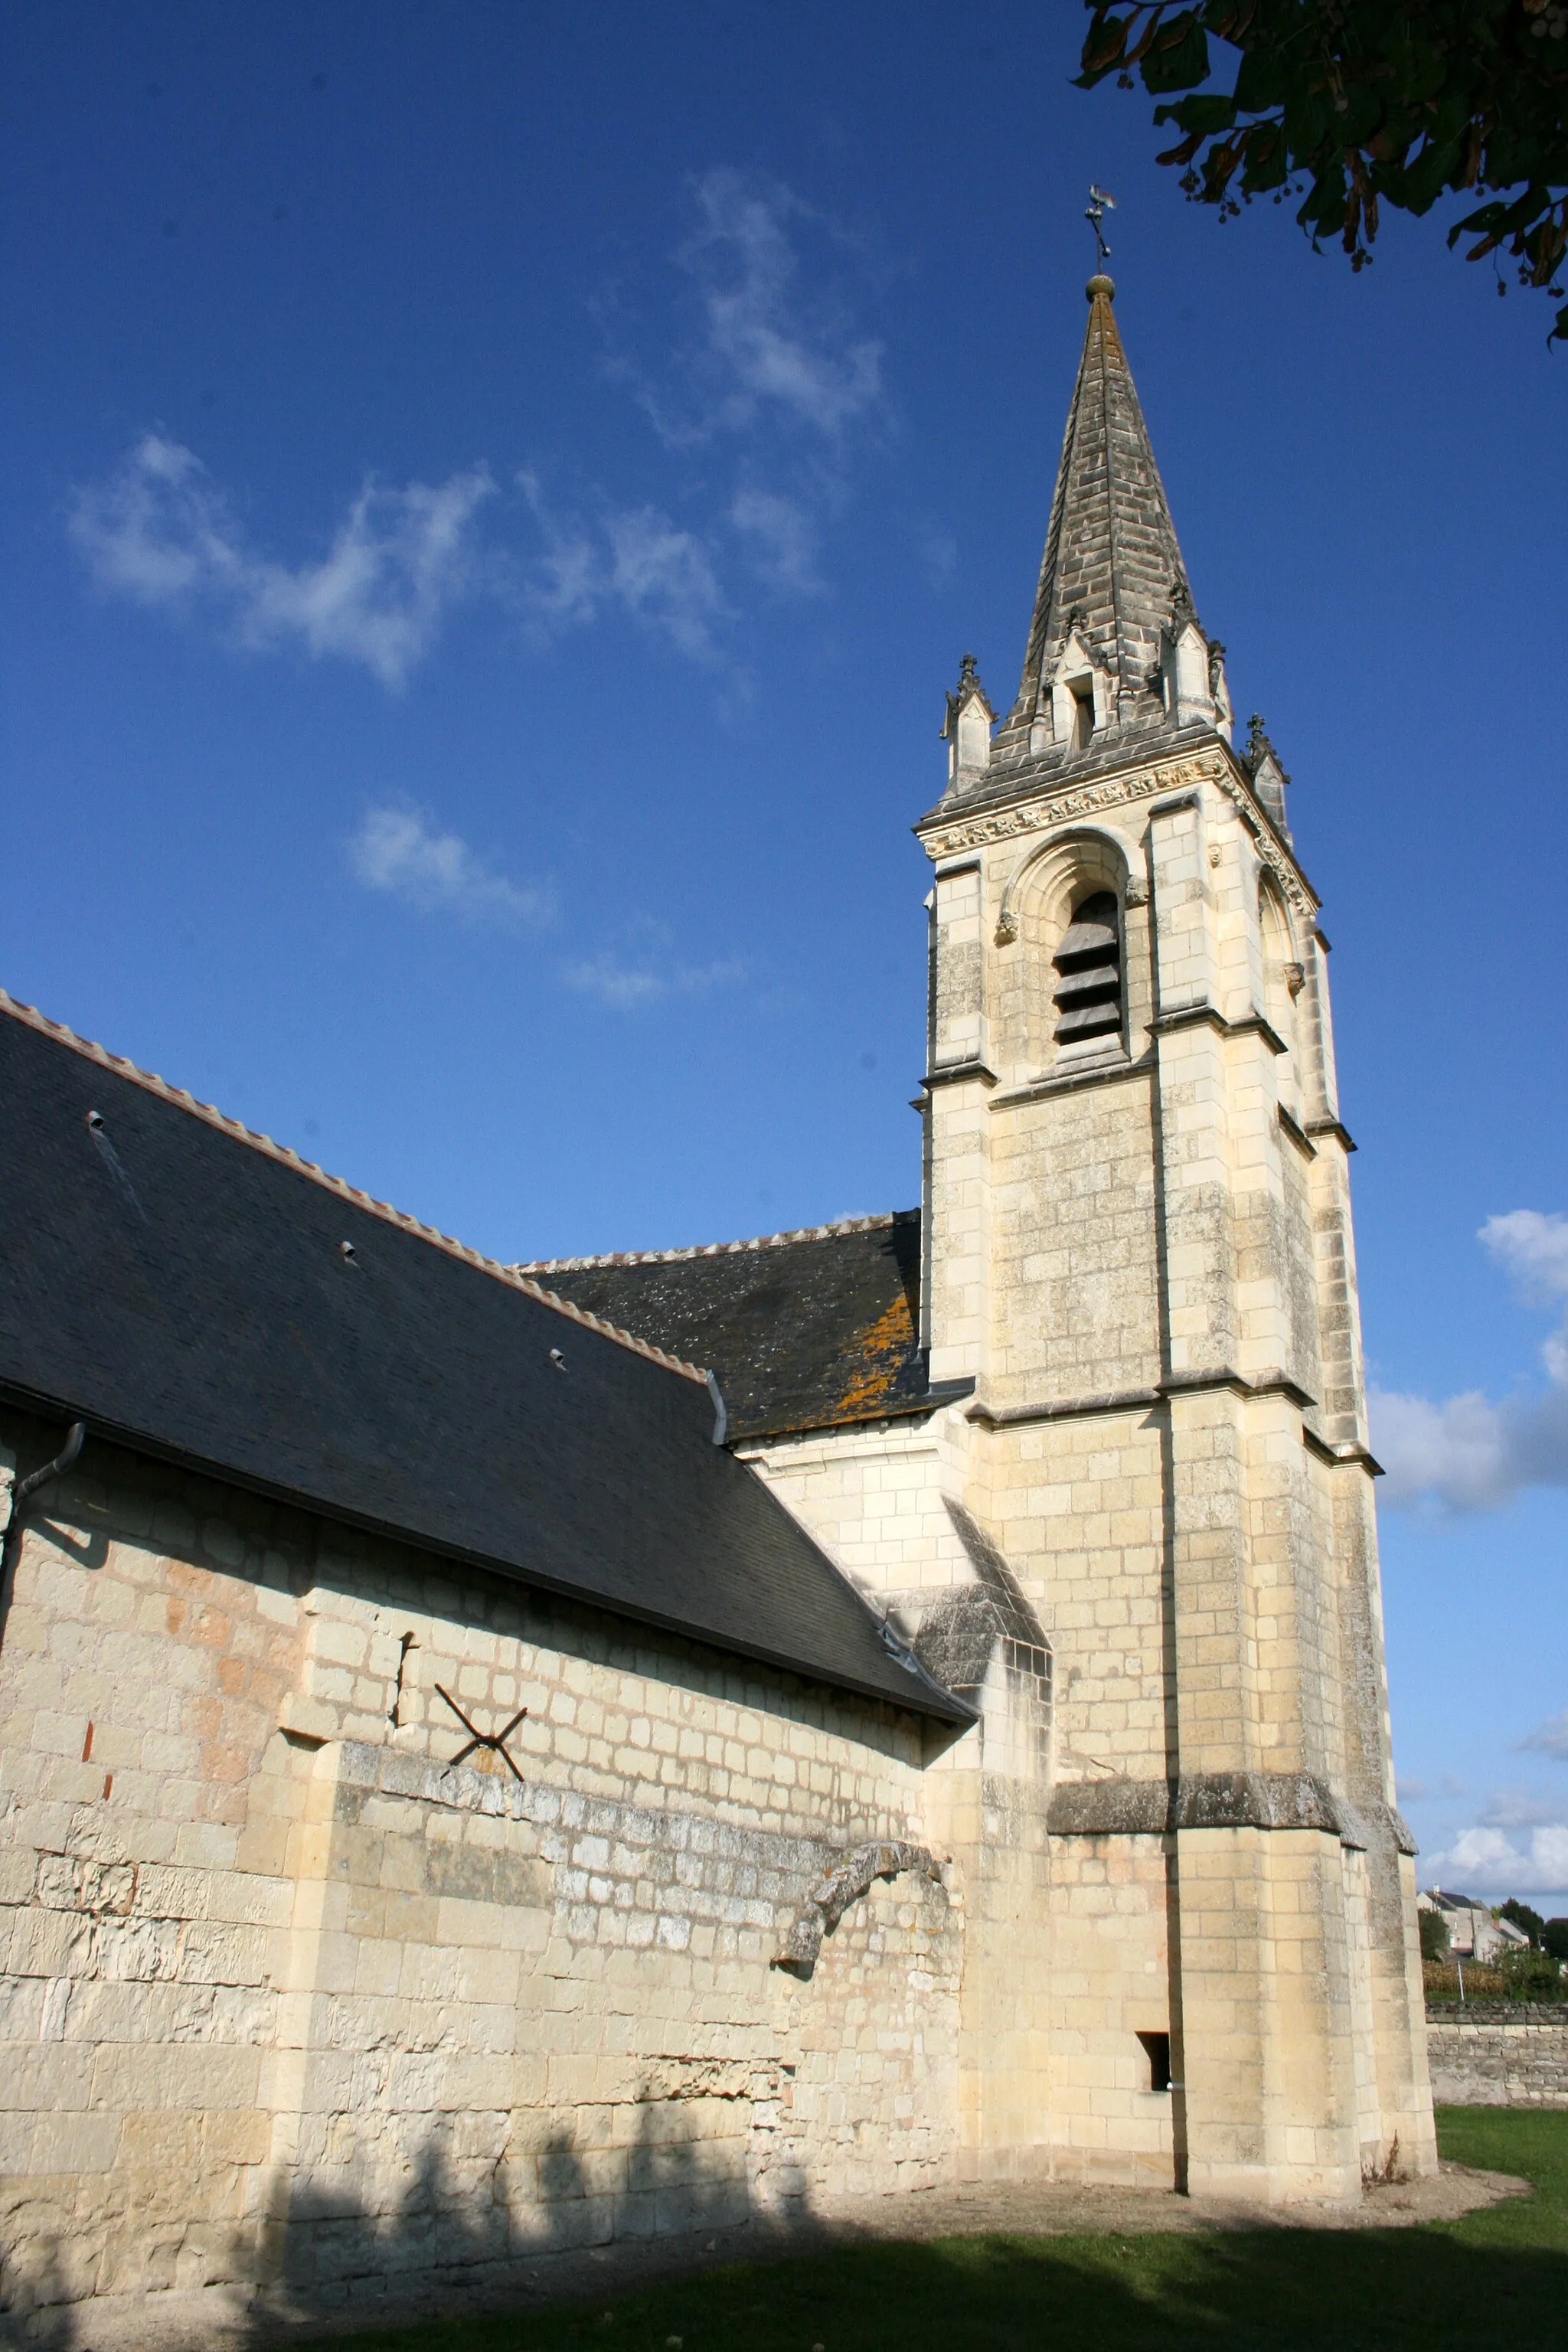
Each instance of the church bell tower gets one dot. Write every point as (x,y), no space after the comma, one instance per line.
(1139,1250)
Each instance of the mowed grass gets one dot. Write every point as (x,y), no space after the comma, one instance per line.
(1496,2276)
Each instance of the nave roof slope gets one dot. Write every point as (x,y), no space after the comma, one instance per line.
(198,1295)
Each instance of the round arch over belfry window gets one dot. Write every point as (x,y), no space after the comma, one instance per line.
(1087,964)
(1064,905)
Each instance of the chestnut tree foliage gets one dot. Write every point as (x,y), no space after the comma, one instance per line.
(1354,104)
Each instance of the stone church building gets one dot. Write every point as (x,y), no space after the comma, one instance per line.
(495,1758)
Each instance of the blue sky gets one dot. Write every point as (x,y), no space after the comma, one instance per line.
(495,494)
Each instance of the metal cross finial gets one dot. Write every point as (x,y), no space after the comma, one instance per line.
(1099,203)
(494,1740)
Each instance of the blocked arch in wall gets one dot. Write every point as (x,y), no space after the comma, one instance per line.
(1043,892)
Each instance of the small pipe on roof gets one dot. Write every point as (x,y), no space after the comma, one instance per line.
(721,1412)
(11,1545)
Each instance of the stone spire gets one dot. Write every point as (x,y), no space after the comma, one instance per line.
(1114,644)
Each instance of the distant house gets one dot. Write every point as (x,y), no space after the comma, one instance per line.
(1473,1933)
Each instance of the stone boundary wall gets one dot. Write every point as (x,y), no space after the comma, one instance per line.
(1506,2055)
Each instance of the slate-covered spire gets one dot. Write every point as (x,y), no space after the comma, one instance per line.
(1114,644)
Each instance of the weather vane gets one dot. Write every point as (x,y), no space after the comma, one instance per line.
(1099,203)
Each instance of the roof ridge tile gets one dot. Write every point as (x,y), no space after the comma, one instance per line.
(528,1267)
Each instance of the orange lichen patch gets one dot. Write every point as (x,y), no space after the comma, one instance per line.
(880,1355)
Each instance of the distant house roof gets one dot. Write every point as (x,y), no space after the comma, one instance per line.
(194,1291)
(804,1331)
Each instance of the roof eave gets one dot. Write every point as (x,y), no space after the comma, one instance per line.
(938,1704)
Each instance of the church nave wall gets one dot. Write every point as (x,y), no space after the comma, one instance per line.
(293,2006)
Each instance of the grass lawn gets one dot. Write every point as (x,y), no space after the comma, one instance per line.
(1496,2276)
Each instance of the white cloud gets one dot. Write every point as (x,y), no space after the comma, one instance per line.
(777,361)
(1464,1451)
(1484,1861)
(159,531)
(1551,1737)
(783,539)
(1518,1809)
(396,849)
(1415,1792)
(1534,1249)
(664,577)
(765,356)
(634,557)
(625,982)
(936,551)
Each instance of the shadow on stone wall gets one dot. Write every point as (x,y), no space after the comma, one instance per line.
(467,2233)
(463,2234)
(45,2320)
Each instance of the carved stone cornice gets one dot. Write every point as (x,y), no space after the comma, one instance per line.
(1062,805)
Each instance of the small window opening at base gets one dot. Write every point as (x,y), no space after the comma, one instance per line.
(1088,963)
(1157,2051)
(1082,691)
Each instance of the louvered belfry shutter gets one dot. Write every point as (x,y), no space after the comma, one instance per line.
(1088,965)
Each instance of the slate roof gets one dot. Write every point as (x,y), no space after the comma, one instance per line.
(810,1329)
(194,1291)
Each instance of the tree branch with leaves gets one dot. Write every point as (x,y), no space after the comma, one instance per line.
(1354,104)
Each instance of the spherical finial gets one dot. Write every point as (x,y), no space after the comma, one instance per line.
(1101,284)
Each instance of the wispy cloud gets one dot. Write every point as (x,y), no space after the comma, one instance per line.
(666,578)
(782,540)
(1416,1793)
(772,359)
(1517,1808)
(778,365)
(397,849)
(632,558)
(646,970)
(767,352)
(1551,1737)
(159,531)
(1466,1453)
(1484,1861)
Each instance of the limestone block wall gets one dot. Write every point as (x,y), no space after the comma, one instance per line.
(293,2003)
(1072,1221)
(1111,1982)
(903,1507)
(1509,2054)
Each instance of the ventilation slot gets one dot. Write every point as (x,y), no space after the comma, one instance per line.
(1089,964)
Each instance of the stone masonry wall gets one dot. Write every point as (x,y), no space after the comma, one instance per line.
(294,2008)
(1514,2054)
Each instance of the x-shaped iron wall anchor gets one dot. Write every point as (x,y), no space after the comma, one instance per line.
(496,1739)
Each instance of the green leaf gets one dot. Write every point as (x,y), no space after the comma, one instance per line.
(1259,82)
(1179,59)
(1205,115)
